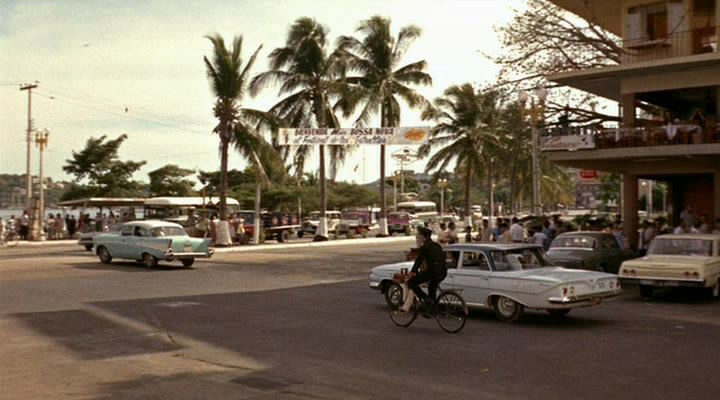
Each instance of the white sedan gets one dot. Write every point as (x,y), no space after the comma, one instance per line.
(509,278)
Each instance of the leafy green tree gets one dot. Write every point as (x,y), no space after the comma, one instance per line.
(168,181)
(310,77)
(229,79)
(376,57)
(464,132)
(98,167)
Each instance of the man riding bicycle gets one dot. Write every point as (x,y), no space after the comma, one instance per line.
(429,267)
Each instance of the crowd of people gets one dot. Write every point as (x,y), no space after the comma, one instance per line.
(58,226)
(543,231)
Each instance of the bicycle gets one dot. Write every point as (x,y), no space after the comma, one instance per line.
(449,311)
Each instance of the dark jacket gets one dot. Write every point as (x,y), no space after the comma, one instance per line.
(433,256)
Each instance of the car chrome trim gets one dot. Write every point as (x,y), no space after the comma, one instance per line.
(584,297)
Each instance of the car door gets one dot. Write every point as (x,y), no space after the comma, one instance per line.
(611,255)
(472,276)
(118,246)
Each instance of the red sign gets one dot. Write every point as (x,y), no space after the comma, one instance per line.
(589,174)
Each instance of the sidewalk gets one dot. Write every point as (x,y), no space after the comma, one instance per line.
(237,249)
(329,243)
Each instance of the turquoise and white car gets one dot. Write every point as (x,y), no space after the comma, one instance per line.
(150,242)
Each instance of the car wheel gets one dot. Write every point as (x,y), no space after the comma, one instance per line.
(646,291)
(558,312)
(187,262)
(88,247)
(104,255)
(394,295)
(714,291)
(507,310)
(300,234)
(283,236)
(350,233)
(149,260)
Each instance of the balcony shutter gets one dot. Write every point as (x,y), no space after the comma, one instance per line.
(677,18)
(634,28)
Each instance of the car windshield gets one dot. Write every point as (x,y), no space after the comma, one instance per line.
(681,247)
(581,242)
(518,259)
(167,231)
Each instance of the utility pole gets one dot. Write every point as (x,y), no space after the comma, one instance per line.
(41,141)
(28,181)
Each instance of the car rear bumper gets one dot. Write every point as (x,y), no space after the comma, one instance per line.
(663,282)
(170,256)
(589,299)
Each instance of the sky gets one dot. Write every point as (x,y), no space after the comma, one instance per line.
(136,68)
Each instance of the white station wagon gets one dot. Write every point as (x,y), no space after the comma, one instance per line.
(511,277)
(690,260)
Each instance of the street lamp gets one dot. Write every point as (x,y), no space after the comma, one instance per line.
(442,183)
(536,111)
(41,141)
(404,156)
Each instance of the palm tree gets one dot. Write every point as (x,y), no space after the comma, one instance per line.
(311,79)
(228,79)
(465,118)
(376,57)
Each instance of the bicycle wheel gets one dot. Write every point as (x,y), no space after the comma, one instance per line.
(395,302)
(451,312)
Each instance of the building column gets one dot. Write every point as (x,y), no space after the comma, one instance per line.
(717,96)
(630,209)
(628,110)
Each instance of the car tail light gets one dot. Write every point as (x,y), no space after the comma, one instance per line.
(565,291)
(695,274)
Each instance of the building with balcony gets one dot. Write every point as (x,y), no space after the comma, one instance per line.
(669,61)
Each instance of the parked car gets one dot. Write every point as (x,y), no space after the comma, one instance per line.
(276,225)
(86,239)
(150,242)
(354,222)
(508,278)
(689,260)
(594,251)
(312,222)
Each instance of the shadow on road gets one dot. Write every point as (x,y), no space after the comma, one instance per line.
(129,266)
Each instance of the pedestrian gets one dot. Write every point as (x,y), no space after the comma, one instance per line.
(50,227)
(688,215)
(505,235)
(517,231)
(452,233)
(617,233)
(213,228)
(24,226)
(468,234)
(647,234)
(443,237)
(485,235)
(98,222)
(71,226)
(59,227)
(538,237)
(2,231)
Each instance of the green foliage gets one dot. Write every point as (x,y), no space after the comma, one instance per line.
(99,167)
(610,187)
(168,181)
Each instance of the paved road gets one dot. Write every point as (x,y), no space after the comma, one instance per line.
(302,324)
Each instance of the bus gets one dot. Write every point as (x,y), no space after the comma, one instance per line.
(420,211)
(177,209)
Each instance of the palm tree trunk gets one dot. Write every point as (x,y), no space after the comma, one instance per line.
(491,196)
(468,181)
(223,237)
(322,232)
(513,184)
(383,203)
(258,219)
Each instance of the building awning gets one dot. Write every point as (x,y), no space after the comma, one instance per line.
(643,161)
(97,202)
(613,81)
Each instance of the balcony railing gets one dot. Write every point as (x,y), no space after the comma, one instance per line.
(678,44)
(586,138)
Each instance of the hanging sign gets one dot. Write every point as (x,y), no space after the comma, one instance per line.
(354,136)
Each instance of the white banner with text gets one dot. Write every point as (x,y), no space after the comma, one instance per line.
(354,136)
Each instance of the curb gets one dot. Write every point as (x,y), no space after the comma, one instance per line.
(45,243)
(329,243)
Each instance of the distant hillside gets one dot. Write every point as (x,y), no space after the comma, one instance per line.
(12,190)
